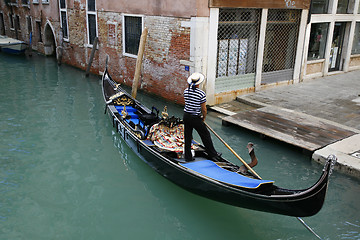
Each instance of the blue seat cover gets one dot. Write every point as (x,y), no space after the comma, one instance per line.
(210,169)
(129,109)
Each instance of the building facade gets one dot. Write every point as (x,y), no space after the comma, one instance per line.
(241,46)
(332,38)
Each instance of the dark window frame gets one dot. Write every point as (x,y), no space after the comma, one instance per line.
(91,21)
(133,26)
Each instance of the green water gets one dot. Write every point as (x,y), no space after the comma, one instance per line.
(65,173)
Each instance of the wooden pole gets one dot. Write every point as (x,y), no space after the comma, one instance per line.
(245,164)
(138,63)
(91,56)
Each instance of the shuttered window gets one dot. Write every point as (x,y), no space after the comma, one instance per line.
(132,33)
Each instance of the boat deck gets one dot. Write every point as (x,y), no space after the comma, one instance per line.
(295,128)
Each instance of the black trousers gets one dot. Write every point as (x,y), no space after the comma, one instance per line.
(195,122)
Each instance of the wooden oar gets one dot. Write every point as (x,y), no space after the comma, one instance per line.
(248,167)
(227,145)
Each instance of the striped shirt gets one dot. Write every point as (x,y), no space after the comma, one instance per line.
(193,98)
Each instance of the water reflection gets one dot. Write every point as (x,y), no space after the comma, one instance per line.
(66,174)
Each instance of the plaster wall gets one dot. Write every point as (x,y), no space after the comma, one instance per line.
(171,8)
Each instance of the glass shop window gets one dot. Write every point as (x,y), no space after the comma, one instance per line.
(342,6)
(319,6)
(356,44)
(317,40)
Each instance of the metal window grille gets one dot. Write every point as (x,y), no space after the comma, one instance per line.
(281,37)
(133,30)
(238,34)
(237,41)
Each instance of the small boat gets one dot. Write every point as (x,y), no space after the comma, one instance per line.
(11,45)
(158,140)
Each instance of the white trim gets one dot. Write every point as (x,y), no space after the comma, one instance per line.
(123,32)
(306,52)
(300,46)
(261,47)
(87,44)
(67,20)
(316,61)
(328,47)
(212,53)
(347,44)
(199,31)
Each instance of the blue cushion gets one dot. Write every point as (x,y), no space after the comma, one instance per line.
(136,121)
(128,109)
(210,169)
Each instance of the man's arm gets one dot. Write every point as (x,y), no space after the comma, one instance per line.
(203,110)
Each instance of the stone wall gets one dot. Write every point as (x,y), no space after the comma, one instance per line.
(167,44)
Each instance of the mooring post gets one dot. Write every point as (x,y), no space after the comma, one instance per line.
(91,56)
(139,62)
(29,48)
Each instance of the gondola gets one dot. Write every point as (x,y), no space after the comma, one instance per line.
(218,179)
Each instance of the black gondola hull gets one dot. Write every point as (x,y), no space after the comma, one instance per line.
(298,203)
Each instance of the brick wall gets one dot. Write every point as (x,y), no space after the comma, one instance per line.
(167,44)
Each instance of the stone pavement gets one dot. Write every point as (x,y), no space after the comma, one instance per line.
(332,99)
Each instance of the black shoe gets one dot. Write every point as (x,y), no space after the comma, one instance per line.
(216,158)
(190,160)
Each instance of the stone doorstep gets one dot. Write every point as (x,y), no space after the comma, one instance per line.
(345,150)
(223,111)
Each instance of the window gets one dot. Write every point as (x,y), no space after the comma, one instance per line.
(133,26)
(356,44)
(342,6)
(38,26)
(91,21)
(35,1)
(237,41)
(280,44)
(11,20)
(63,17)
(45,1)
(17,23)
(317,40)
(29,24)
(25,2)
(319,6)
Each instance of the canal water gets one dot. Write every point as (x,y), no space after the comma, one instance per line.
(65,173)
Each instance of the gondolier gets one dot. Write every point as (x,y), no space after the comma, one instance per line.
(194,116)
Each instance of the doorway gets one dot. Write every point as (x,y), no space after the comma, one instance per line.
(335,63)
(49,41)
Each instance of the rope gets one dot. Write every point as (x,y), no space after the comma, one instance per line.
(308,228)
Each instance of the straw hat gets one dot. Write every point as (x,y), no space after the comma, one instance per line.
(196,78)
